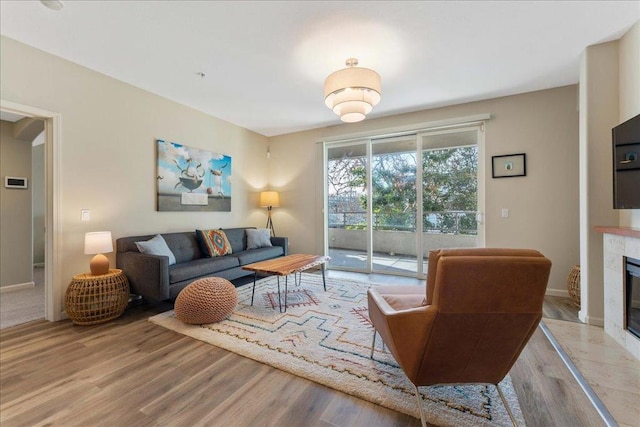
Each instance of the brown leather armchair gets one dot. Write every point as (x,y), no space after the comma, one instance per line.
(479,310)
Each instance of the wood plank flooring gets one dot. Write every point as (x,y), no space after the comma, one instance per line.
(131,372)
(560,308)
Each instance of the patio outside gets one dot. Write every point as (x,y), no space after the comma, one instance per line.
(393,251)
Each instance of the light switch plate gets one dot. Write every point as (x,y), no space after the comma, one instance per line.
(85,215)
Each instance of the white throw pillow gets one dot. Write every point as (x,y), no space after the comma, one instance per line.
(156,246)
(258,238)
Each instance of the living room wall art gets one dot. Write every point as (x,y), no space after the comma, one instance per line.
(509,165)
(191,179)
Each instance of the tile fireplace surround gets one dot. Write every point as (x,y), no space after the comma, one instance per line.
(618,243)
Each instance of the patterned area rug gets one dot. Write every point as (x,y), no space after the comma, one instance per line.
(326,337)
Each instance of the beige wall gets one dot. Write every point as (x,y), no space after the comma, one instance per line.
(543,205)
(629,53)
(107,152)
(37,193)
(609,95)
(598,114)
(15,210)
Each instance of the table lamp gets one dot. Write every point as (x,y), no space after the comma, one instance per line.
(98,243)
(269,199)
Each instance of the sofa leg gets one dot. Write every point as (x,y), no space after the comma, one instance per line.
(506,405)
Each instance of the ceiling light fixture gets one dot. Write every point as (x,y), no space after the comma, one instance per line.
(52,4)
(352,92)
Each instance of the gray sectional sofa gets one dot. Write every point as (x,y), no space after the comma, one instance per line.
(152,277)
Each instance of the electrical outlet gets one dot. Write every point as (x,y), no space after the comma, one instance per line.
(505,213)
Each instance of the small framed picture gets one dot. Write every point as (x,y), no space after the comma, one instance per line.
(509,165)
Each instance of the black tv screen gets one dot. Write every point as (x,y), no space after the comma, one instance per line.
(626,164)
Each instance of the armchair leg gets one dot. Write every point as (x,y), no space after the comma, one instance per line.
(373,343)
(506,405)
(419,401)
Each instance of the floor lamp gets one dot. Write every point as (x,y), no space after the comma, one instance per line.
(269,199)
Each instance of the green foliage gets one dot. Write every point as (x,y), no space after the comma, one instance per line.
(449,183)
(450,179)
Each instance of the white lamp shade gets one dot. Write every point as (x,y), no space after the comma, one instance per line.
(98,242)
(352,111)
(269,199)
(352,92)
(352,78)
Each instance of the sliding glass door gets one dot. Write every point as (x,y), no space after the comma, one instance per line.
(389,201)
(450,196)
(394,205)
(347,217)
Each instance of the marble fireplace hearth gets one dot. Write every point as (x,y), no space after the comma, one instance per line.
(619,242)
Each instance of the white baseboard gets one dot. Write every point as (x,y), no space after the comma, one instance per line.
(17,287)
(595,321)
(557,293)
(589,320)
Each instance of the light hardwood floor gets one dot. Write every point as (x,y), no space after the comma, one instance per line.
(131,372)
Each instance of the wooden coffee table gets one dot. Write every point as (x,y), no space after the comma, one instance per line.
(284,266)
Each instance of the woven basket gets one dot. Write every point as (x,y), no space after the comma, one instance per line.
(95,299)
(573,285)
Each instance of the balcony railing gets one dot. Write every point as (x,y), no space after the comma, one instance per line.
(444,222)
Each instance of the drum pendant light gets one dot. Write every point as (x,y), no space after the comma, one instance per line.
(352,92)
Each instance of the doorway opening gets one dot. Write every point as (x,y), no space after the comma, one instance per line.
(52,272)
(22,220)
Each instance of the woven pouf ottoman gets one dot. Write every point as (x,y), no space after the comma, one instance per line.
(207,300)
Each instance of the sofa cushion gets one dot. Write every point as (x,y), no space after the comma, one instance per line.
(200,267)
(258,238)
(184,246)
(255,255)
(156,246)
(237,238)
(214,243)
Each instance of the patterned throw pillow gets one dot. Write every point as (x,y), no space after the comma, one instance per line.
(214,242)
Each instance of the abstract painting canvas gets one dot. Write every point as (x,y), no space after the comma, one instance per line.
(192,179)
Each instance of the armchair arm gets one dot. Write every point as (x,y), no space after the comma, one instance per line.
(148,275)
(281,241)
(405,332)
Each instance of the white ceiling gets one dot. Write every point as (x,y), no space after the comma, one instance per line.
(265,62)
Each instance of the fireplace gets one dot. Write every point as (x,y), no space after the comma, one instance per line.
(621,258)
(632,295)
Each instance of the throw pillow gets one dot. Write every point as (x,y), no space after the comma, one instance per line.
(214,242)
(156,246)
(258,238)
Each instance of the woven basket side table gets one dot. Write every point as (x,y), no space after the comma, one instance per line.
(573,285)
(96,299)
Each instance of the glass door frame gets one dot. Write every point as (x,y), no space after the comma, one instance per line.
(419,273)
(480,143)
(478,127)
(325,225)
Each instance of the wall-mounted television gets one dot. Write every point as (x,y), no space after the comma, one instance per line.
(626,164)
